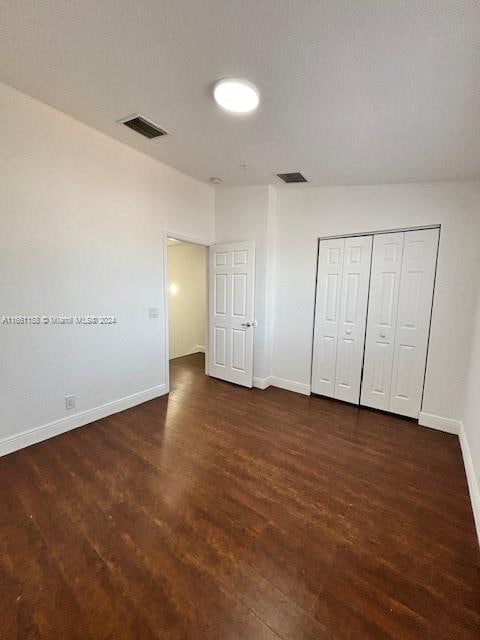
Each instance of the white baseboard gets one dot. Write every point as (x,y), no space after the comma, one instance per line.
(472,479)
(198,348)
(290,385)
(282,383)
(439,423)
(43,432)
(262,383)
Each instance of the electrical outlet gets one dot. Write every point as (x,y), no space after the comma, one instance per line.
(69,402)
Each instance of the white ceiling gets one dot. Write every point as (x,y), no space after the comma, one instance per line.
(353,91)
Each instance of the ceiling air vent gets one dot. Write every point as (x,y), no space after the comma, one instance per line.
(289,178)
(143,126)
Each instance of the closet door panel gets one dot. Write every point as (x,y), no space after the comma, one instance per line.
(353,311)
(381,320)
(413,323)
(327,310)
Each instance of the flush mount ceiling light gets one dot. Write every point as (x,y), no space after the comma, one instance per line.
(236,95)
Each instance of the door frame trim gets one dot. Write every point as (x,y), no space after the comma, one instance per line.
(383,231)
(204,242)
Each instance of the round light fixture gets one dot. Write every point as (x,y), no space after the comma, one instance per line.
(236,95)
(214,180)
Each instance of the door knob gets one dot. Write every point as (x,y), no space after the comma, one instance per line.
(247,324)
(348,331)
(383,335)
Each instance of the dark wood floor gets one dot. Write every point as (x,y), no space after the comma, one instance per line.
(222,513)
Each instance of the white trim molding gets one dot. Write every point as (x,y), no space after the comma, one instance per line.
(184,237)
(472,479)
(198,348)
(262,383)
(45,431)
(282,383)
(438,422)
(290,385)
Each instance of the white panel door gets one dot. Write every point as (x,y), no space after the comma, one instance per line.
(231,312)
(327,314)
(353,314)
(382,319)
(413,323)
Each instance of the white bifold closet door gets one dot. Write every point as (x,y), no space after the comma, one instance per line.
(401,292)
(340,316)
(382,318)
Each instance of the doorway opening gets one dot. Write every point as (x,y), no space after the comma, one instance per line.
(186,293)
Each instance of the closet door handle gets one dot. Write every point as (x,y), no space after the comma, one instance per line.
(348,331)
(383,335)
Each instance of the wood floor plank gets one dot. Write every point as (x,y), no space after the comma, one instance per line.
(226,513)
(36,600)
(153,533)
(200,524)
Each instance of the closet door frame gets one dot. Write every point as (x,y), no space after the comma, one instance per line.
(375,233)
(380,232)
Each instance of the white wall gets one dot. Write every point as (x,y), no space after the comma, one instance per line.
(470,438)
(81,222)
(187,306)
(305,214)
(286,223)
(246,213)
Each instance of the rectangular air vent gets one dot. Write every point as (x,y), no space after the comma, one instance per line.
(289,178)
(143,126)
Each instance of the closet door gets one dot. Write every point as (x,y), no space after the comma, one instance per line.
(413,323)
(353,313)
(382,318)
(327,311)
